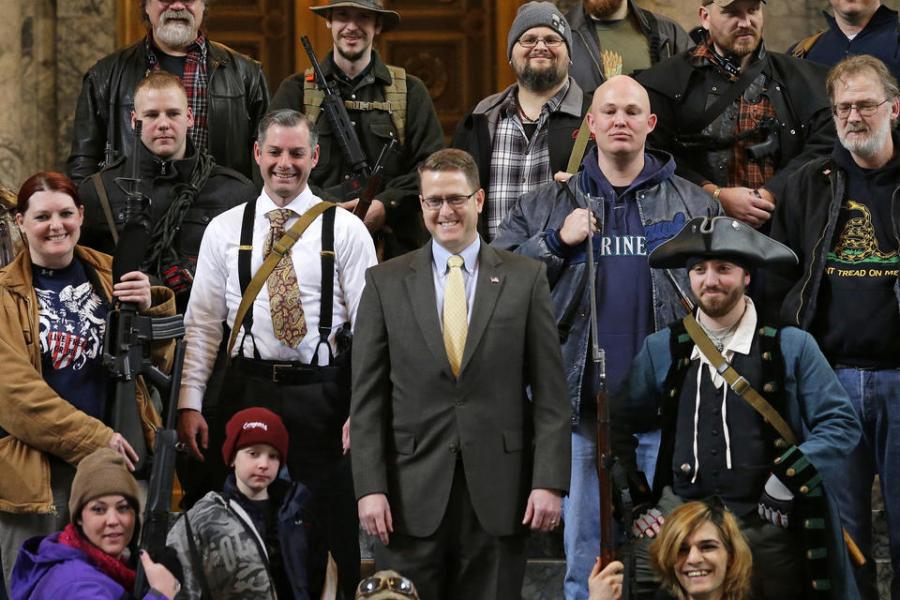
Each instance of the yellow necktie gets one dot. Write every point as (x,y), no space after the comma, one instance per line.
(288,320)
(455,317)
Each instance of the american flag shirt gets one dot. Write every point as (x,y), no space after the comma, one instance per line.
(71,324)
(519,163)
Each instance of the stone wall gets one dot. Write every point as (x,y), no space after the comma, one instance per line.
(45,47)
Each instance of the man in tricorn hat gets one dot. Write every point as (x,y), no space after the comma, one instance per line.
(749,413)
(384,102)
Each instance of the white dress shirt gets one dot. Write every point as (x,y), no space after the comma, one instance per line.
(216,291)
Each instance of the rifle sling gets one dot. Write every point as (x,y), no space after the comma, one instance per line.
(578,148)
(104,203)
(281,248)
(736,381)
(734,92)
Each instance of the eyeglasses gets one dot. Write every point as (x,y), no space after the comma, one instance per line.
(530,41)
(865,109)
(435,203)
(372,585)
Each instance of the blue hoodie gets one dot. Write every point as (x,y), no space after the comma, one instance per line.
(48,570)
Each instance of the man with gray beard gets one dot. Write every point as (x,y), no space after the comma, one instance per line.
(839,216)
(226,91)
(612,37)
(523,137)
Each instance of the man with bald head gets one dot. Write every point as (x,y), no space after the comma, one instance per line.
(634,202)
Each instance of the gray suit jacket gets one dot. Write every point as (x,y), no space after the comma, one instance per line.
(411,420)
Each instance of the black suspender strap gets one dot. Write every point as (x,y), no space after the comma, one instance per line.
(326,302)
(245,252)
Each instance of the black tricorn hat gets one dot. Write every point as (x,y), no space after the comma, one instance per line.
(723,238)
(389,18)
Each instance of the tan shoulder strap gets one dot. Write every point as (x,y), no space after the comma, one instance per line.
(581,142)
(104,204)
(312,96)
(395,95)
(736,381)
(802,48)
(281,248)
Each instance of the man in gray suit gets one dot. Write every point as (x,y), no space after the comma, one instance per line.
(459,417)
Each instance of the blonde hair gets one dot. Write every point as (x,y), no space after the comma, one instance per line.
(685,520)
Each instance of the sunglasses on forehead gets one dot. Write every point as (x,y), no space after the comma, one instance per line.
(376,583)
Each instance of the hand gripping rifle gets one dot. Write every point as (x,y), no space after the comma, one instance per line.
(126,343)
(366,181)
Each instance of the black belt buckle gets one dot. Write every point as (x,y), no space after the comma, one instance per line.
(278,367)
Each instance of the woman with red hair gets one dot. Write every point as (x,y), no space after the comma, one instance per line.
(54,298)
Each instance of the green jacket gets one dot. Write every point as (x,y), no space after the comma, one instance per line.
(422,137)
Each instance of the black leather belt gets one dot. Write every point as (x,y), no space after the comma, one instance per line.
(282,372)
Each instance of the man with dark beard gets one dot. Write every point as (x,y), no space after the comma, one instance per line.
(612,37)
(738,118)
(226,90)
(748,412)
(384,103)
(839,214)
(523,137)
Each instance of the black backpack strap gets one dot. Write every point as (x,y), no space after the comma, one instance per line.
(326,302)
(196,561)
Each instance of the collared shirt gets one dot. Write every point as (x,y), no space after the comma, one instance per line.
(195,83)
(519,162)
(441,270)
(216,291)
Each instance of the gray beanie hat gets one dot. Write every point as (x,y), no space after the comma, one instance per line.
(538,14)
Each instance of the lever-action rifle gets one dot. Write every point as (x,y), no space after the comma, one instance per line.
(604,446)
(365,181)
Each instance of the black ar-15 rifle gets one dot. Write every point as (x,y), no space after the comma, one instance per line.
(126,344)
(366,181)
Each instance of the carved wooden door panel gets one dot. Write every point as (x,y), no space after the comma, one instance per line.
(449,44)
(262,29)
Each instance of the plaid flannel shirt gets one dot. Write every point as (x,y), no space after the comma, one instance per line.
(748,111)
(518,164)
(195,83)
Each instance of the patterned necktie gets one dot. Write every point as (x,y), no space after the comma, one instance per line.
(288,320)
(456,324)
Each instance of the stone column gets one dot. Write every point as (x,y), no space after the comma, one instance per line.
(45,47)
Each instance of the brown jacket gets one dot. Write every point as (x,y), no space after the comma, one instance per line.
(38,421)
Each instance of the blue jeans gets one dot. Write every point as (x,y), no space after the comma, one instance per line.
(875,396)
(581,508)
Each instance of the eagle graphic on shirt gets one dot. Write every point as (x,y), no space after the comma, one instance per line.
(71,325)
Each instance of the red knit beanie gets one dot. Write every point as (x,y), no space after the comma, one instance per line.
(254,426)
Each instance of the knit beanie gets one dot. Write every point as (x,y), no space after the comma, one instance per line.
(254,426)
(102,473)
(538,14)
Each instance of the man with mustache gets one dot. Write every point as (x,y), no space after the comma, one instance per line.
(186,187)
(738,118)
(635,202)
(857,27)
(522,137)
(384,103)
(750,413)
(226,91)
(613,37)
(288,353)
(840,216)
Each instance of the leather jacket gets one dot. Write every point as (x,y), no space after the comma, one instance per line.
(238,98)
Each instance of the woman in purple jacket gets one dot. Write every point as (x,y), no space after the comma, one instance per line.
(92,558)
